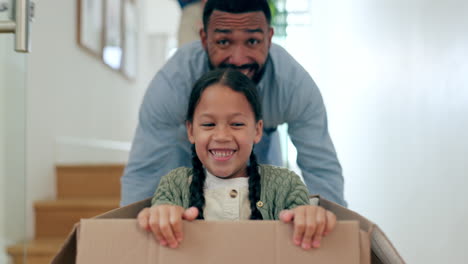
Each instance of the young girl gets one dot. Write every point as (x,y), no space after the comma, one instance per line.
(224,121)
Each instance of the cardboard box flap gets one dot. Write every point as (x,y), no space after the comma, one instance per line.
(343,213)
(381,246)
(129,211)
(382,249)
(114,241)
(365,248)
(122,241)
(67,253)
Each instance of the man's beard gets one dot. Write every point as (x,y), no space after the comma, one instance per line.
(253,67)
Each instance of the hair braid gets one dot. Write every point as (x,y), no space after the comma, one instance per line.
(254,187)
(197,197)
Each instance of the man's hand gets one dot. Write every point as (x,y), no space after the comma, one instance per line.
(311,223)
(165,221)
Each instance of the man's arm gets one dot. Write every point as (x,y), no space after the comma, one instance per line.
(159,144)
(316,154)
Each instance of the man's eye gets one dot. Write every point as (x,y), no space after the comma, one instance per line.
(253,41)
(223,42)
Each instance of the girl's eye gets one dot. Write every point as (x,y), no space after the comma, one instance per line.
(208,124)
(237,124)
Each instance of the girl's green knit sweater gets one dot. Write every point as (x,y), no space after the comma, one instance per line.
(280,189)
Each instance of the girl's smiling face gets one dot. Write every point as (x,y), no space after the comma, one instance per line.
(224,130)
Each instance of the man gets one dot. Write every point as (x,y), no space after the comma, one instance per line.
(236,34)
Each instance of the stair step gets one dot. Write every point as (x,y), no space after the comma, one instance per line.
(55,218)
(39,251)
(89,181)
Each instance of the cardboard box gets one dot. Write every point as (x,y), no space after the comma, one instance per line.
(115,237)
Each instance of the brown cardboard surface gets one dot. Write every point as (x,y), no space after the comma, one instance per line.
(122,241)
(365,247)
(120,233)
(382,249)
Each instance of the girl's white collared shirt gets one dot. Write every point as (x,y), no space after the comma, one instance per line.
(226,199)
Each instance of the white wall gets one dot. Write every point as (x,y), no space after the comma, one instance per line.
(162,22)
(78,109)
(12,142)
(3,47)
(394,77)
(162,16)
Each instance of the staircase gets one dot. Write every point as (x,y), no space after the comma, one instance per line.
(83,191)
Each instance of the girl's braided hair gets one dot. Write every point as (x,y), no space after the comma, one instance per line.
(238,82)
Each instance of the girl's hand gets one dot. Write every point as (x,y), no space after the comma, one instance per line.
(165,221)
(311,223)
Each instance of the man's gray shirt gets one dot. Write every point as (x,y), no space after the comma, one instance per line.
(288,95)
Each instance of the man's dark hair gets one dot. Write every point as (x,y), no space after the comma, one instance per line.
(236,7)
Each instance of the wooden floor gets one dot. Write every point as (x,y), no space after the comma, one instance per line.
(82,192)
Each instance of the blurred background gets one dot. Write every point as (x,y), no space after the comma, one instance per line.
(393,74)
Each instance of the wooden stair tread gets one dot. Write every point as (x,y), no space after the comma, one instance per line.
(37,247)
(89,181)
(83,191)
(77,203)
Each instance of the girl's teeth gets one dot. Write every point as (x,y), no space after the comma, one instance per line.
(222,153)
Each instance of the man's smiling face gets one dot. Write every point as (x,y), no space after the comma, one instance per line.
(239,41)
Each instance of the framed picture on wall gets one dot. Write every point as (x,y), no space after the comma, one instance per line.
(130,38)
(90,25)
(112,51)
(108,29)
